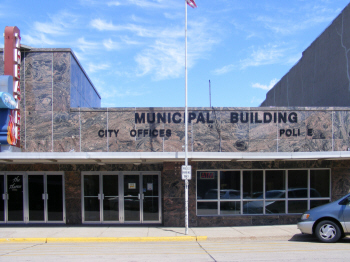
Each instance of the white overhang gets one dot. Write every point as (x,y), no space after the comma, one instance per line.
(103,158)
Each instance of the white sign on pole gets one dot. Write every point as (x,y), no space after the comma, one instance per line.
(186,172)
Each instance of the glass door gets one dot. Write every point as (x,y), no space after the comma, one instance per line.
(2,199)
(36,198)
(45,198)
(110,198)
(101,198)
(14,198)
(150,196)
(54,198)
(132,195)
(92,198)
(32,198)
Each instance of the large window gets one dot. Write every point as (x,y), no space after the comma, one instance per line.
(261,192)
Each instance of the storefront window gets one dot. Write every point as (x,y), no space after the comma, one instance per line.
(297,206)
(230,185)
(253,184)
(275,184)
(230,208)
(207,185)
(319,183)
(261,192)
(207,208)
(297,183)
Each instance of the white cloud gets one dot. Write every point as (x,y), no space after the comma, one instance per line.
(37,40)
(294,20)
(266,87)
(141,3)
(59,24)
(43,33)
(102,25)
(173,16)
(256,100)
(114,3)
(112,93)
(159,4)
(84,45)
(266,55)
(269,54)
(141,31)
(163,51)
(126,40)
(225,69)
(93,67)
(49,28)
(163,59)
(293,59)
(109,44)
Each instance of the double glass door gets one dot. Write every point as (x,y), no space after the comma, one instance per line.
(12,204)
(45,198)
(31,197)
(121,198)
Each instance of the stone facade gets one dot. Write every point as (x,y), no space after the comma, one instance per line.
(61,113)
(172,188)
(52,81)
(210,130)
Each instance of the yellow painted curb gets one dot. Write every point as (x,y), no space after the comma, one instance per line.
(21,240)
(123,239)
(202,238)
(102,239)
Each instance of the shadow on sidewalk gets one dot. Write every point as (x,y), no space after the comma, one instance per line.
(311,238)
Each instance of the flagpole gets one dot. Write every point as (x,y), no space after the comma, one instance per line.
(186,126)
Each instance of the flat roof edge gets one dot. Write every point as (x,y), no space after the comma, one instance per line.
(117,157)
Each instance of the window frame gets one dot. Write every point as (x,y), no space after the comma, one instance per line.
(243,200)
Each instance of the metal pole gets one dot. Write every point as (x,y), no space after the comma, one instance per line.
(186,126)
(209,94)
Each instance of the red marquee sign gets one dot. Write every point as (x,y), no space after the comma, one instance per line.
(12,67)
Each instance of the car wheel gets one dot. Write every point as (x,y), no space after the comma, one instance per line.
(328,231)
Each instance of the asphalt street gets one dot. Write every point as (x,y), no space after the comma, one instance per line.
(209,250)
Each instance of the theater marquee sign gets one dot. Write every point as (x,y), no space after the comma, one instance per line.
(220,130)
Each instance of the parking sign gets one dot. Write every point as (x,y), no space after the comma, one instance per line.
(186,172)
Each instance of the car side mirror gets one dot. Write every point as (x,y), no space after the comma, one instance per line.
(344,202)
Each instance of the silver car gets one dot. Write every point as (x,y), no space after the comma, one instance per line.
(328,222)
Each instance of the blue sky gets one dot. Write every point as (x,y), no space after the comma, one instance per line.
(134,50)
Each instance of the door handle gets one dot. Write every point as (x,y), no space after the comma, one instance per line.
(100,196)
(44,196)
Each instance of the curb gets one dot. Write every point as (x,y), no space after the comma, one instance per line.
(102,239)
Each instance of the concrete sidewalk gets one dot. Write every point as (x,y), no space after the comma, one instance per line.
(48,234)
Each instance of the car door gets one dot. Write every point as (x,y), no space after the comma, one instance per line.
(346,215)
